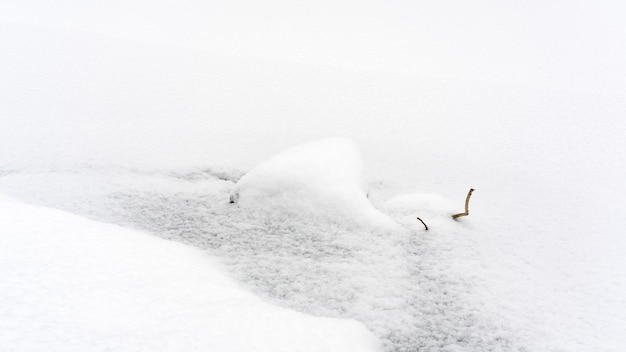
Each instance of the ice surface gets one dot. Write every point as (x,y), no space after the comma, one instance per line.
(75,284)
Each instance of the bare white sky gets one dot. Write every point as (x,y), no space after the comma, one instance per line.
(567,44)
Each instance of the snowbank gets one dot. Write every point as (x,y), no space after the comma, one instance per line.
(322,179)
(76,284)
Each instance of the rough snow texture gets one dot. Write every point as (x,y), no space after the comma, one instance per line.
(71,284)
(414,290)
(478,284)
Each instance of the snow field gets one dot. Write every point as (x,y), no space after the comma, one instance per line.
(118,122)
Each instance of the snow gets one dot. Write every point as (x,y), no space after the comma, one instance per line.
(321,179)
(148,116)
(76,284)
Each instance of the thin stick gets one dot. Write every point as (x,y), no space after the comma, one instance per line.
(469,194)
(423,223)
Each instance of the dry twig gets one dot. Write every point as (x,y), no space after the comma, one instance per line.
(469,194)
(423,223)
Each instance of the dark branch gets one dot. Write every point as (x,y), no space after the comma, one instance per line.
(423,223)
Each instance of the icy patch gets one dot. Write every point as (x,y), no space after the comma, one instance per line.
(321,179)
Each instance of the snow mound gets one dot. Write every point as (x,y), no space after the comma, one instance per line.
(432,208)
(76,284)
(322,179)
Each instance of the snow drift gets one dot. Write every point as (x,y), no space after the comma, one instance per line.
(75,284)
(321,179)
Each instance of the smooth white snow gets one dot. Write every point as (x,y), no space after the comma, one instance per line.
(72,284)
(322,179)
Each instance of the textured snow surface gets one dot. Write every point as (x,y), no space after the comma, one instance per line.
(399,281)
(72,284)
(458,287)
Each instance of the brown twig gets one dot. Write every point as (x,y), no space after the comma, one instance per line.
(469,194)
(423,223)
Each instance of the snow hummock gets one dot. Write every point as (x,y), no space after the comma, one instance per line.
(322,178)
(76,284)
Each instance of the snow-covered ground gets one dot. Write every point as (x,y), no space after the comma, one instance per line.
(72,284)
(147,116)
